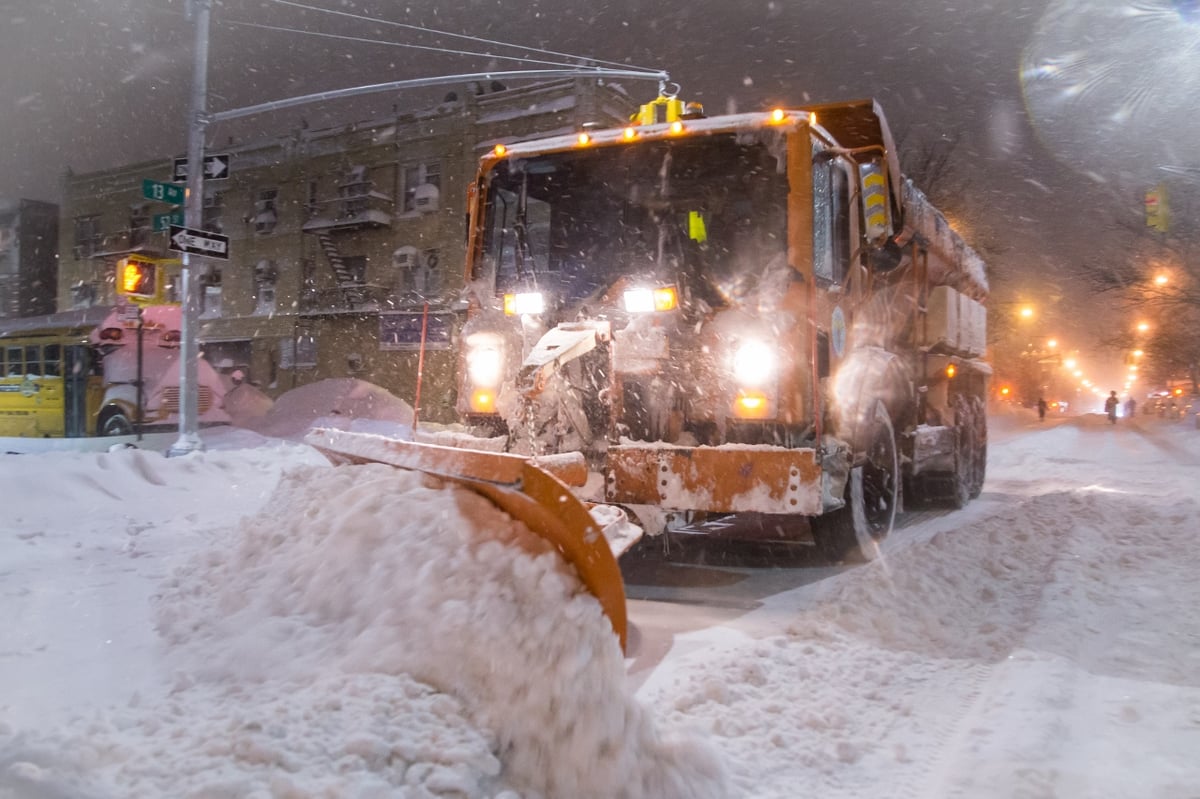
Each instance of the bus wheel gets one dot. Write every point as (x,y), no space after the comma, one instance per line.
(114,423)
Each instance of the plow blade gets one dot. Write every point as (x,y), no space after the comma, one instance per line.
(526,492)
(728,479)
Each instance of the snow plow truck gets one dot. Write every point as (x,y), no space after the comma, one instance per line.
(748,313)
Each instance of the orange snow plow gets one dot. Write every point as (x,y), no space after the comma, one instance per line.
(527,492)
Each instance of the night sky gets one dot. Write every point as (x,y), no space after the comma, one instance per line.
(1036,177)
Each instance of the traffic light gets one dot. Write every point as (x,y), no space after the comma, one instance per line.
(138,279)
(1157,211)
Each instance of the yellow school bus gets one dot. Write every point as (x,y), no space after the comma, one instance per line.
(75,374)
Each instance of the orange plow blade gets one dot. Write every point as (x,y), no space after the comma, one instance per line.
(513,483)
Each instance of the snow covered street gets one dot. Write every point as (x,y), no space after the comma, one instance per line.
(249,622)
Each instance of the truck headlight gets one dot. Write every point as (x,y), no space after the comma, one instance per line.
(753,363)
(485,365)
(648,300)
(525,303)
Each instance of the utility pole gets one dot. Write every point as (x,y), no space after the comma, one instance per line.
(193,209)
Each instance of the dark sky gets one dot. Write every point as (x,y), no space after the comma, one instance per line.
(96,83)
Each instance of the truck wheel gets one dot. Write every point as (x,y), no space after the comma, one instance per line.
(114,423)
(872,495)
(979,410)
(964,456)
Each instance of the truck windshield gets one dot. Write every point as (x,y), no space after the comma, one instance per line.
(707,213)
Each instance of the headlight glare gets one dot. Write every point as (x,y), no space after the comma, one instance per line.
(753,363)
(531,302)
(485,366)
(645,300)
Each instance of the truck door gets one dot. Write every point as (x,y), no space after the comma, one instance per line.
(76,369)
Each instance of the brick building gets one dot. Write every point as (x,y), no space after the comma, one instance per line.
(339,238)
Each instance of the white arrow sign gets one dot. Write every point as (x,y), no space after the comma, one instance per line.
(216,167)
(199,242)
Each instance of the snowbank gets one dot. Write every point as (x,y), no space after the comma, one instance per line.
(342,403)
(370,633)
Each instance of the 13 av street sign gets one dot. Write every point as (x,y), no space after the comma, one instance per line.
(163,192)
(216,167)
(199,242)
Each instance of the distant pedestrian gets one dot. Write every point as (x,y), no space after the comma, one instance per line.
(1110,407)
(1041,406)
(1130,407)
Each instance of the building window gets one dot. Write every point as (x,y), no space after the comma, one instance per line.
(214,206)
(299,352)
(139,224)
(210,295)
(354,192)
(422,185)
(83,295)
(308,284)
(265,211)
(87,235)
(265,278)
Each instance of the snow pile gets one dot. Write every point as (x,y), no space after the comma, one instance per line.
(336,736)
(343,403)
(1028,643)
(293,642)
(246,405)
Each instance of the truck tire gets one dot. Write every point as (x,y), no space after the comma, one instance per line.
(979,409)
(872,495)
(114,423)
(964,455)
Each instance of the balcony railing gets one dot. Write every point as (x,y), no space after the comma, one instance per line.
(365,209)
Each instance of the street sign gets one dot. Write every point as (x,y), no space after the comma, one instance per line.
(164,221)
(216,167)
(198,242)
(163,192)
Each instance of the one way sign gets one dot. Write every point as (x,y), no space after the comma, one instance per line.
(216,167)
(199,242)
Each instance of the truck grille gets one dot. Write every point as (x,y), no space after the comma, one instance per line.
(170,399)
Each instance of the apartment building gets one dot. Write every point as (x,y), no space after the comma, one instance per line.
(346,244)
(28,258)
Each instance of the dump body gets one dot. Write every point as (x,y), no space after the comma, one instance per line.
(722,315)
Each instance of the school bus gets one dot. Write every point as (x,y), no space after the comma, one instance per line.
(75,374)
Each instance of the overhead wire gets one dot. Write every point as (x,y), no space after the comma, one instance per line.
(422,29)
(363,40)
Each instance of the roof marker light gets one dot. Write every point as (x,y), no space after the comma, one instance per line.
(584,139)
(778,116)
(499,150)
(812,117)
(676,127)
(630,134)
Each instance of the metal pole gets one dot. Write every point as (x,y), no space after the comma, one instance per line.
(189,350)
(141,373)
(420,370)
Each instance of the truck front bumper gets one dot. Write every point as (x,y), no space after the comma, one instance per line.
(732,478)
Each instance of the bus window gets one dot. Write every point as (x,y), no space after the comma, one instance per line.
(33,360)
(52,360)
(16,362)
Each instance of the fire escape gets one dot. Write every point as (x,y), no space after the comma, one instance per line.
(357,207)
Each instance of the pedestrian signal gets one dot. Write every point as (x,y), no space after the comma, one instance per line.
(138,279)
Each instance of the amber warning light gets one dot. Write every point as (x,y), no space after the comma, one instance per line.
(138,279)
